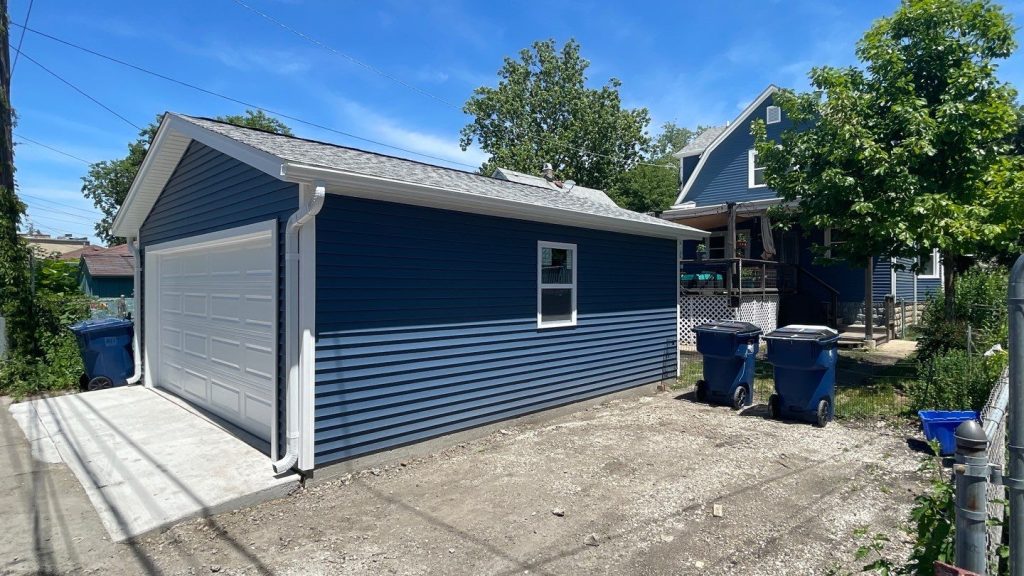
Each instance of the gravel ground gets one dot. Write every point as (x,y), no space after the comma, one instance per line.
(650,485)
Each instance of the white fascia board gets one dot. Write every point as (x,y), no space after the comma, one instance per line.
(171,140)
(741,208)
(771,89)
(390,190)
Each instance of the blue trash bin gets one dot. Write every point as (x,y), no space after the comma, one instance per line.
(804,360)
(941,425)
(106,349)
(729,349)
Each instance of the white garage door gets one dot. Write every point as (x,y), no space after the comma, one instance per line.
(211,323)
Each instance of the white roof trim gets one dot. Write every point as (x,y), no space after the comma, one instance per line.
(771,89)
(387,189)
(165,152)
(741,208)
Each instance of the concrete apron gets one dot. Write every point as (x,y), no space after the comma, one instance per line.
(147,461)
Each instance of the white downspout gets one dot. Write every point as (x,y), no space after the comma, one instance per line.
(133,244)
(291,331)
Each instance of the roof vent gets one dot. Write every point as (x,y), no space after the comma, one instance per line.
(773,115)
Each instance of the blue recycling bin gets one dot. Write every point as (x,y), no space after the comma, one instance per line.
(729,349)
(106,349)
(804,360)
(941,425)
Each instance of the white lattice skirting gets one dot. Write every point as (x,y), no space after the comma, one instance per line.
(695,309)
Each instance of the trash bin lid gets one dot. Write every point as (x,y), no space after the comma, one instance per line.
(728,327)
(803,332)
(103,324)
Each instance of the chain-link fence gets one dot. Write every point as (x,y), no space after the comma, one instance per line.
(993,418)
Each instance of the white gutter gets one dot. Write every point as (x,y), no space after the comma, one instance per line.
(133,244)
(392,190)
(291,332)
(752,206)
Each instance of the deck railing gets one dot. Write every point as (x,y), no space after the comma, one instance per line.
(736,276)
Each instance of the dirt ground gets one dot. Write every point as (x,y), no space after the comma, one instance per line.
(626,487)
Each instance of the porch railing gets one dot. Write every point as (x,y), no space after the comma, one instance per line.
(735,276)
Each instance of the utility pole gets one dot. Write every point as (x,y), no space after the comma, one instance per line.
(6,138)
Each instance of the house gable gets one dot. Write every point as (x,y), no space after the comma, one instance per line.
(722,173)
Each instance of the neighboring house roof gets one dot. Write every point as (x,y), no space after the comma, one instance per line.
(730,128)
(77,254)
(531,180)
(108,262)
(372,175)
(701,142)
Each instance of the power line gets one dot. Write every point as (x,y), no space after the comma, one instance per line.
(242,102)
(17,51)
(47,209)
(58,219)
(48,147)
(83,211)
(380,72)
(348,57)
(77,89)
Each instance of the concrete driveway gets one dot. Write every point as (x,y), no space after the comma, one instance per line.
(145,459)
(650,485)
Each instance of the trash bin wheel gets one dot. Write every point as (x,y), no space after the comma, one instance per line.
(702,391)
(822,415)
(774,408)
(99,383)
(739,397)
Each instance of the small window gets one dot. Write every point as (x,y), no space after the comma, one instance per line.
(556,284)
(755,171)
(716,246)
(833,236)
(930,266)
(773,115)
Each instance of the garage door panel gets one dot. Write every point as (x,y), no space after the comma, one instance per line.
(218,328)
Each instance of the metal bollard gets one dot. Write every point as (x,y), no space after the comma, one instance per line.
(972,471)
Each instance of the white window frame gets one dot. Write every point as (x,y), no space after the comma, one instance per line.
(938,267)
(541,245)
(828,242)
(751,163)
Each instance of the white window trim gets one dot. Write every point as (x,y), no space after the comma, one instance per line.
(751,157)
(938,267)
(541,245)
(828,242)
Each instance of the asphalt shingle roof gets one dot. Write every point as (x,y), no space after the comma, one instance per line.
(703,140)
(115,261)
(322,154)
(591,193)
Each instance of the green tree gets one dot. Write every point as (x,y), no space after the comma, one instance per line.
(652,186)
(672,139)
(912,151)
(107,182)
(543,112)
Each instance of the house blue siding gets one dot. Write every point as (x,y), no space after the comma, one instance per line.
(724,177)
(210,191)
(926,287)
(686,167)
(107,286)
(426,322)
(881,278)
(904,279)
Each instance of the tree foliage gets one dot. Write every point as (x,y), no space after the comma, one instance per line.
(652,186)
(543,112)
(107,182)
(912,151)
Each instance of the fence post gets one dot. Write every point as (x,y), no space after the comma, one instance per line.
(1015,422)
(971,471)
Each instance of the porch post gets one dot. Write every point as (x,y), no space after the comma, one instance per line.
(730,236)
(869,320)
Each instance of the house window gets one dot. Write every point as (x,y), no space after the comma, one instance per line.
(930,266)
(755,171)
(556,284)
(716,245)
(833,236)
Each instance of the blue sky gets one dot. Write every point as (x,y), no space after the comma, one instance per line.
(687,62)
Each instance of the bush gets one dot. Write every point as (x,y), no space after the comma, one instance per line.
(980,304)
(956,380)
(56,364)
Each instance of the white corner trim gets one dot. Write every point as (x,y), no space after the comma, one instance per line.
(892,277)
(771,89)
(541,245)
(307,331)
(751,165)
(679,308)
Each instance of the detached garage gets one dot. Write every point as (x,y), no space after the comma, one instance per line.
(327,303)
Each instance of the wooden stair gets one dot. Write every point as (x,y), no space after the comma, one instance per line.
(853,336)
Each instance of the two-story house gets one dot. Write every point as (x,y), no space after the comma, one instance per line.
(748,269)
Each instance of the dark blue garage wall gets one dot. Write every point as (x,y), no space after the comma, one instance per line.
(210,191)
(426,322)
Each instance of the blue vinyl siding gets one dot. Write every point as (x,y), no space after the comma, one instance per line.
(724,177)
(926,287)
(904,280)
(107,286)
(881,278)
(210,191)
(426,322)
